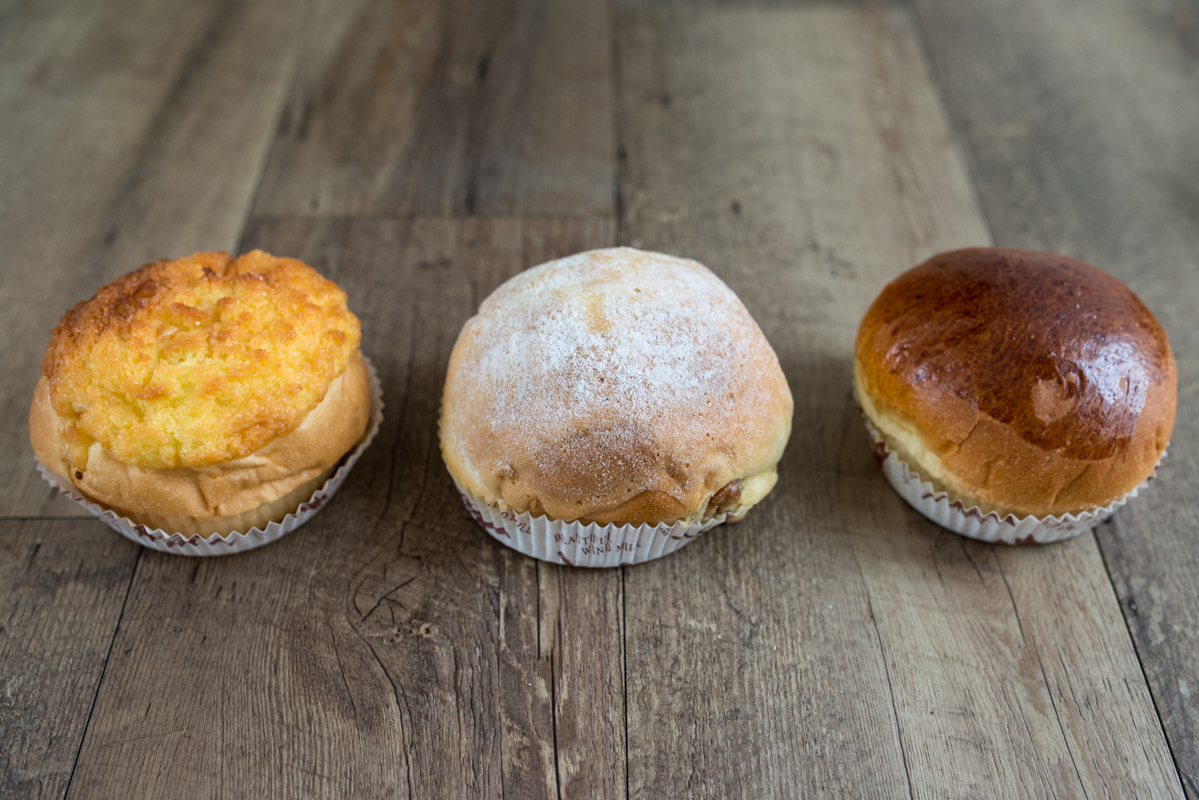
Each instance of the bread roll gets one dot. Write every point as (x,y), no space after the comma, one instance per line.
(616,387)
(203,395)
(1023,382)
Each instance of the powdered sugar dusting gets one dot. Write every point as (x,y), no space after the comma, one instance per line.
(610,373)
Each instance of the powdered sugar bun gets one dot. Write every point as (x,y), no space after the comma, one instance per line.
(615,387)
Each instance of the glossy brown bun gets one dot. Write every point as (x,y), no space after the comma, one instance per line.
(616,387)
(1028,382)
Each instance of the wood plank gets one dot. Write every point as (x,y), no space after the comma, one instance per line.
(1080,131)
(451,109)
(62,586)
(1012,676)
(1102,714)
(389,647)
(753,652)
(580,612)
(132,130)
(836,642)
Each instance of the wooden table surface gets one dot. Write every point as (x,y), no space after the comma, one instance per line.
(419,153)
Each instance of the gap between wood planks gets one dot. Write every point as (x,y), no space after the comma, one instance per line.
(100,680)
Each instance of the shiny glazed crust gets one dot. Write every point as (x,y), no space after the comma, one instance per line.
(1030,382)
(218,498)
(615,386)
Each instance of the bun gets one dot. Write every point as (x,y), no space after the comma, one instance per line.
(1023,381)
(616,387)
(203,395)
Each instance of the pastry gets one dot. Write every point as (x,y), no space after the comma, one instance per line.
(204,395)
(1018,384)
(614,388)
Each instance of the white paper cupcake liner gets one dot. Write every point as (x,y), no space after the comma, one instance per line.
(235,542)
(582,545)
(971,521)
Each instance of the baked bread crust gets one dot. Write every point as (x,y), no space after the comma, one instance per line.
(172,498)
(199,360)
(1032,382)
(615,386)
(115,463)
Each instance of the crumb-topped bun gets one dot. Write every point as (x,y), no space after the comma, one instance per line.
(1023,381)
(189,393)
(615,386)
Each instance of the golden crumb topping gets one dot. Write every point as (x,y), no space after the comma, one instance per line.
(200,360)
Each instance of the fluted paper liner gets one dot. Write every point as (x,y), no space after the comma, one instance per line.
(236,541)
(582,545)
(971,521)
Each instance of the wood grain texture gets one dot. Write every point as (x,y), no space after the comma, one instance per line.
(835,643)
(803,154)
(1012,675)
(1081,136)
(1096,686)
(131,130)
(754,665)
(497,108)
(62,586)
(389,647)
